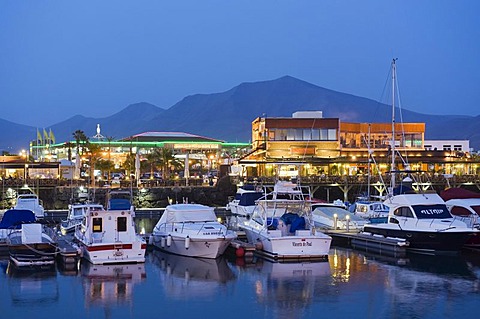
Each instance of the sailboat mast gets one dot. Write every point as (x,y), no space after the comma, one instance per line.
(393,124)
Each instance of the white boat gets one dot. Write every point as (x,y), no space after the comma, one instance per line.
(421,219)
(464,204)
(30,202)
(281,225)
(243,204)
(109,236)
(425,222)
(29,242)
(191,230)
(373,211)
(333,217)
(75,215)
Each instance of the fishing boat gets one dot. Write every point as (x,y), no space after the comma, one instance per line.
(281,226)
(423,218)
(75,215)
(109,236)
(191,230)
(29,242)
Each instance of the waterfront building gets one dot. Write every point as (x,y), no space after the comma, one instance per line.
(307,144)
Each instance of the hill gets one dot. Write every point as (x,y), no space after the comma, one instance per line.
(228,115)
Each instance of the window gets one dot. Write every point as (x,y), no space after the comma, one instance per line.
(97,225)
(307,134)
(403,212)
(457,147)
(447,147)
(122,223)
(332,134)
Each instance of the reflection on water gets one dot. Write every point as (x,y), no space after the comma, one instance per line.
(286,289)
(188,277)
(350,284)
(32,286)
(110,285)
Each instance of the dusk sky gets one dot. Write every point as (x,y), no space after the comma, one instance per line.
(63,58)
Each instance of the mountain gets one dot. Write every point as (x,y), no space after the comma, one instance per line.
(228,115)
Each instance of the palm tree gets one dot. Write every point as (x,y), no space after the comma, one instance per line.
(168,160)
(69,146)
(80,138)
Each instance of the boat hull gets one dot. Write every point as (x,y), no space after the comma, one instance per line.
(33,254)
(426,241)
(113,253)
(273,245)
(202,247)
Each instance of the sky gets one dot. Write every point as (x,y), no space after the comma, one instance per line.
(94,58)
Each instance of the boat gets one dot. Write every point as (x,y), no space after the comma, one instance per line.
(191,230)
(109,236)
(31,202)
(425,222)
(328,216)
(75,215)
(464,204)
(243,204)
(29,242)
(373,211)
(281,225)
(422,219)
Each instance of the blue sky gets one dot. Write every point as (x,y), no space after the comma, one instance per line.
(62,58)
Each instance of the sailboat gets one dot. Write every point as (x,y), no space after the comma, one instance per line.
(422,219)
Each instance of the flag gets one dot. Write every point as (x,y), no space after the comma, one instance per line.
(45,137)
(39,138)
(52,137)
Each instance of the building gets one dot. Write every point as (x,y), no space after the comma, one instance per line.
(308,144)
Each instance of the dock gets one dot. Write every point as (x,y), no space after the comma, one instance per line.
(68,252)
(388,246)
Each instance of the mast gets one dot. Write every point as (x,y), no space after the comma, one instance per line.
(392,169)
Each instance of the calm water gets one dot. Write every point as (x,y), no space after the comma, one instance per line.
(350,284)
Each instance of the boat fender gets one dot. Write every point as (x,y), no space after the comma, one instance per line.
(187,242)
(162,242)
(169,240)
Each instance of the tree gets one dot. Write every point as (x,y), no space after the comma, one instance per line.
(168,160)
(80,138)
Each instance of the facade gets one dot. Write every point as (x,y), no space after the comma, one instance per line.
(307,144)
(206,153)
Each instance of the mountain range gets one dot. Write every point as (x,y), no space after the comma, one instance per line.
(228,115)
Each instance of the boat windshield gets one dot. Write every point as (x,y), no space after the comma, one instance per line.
(438,211)
(330,211)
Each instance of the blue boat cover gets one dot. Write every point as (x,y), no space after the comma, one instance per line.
(119,204)
(14,218)
(248,199)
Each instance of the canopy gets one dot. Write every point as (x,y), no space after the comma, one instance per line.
(13,218)
(458,193)
(180,213)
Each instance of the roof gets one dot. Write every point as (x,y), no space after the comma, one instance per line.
(170,136)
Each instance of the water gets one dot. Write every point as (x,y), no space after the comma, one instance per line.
(350,284)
